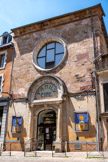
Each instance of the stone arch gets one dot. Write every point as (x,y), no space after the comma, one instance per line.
(59,84)
(37,111)
(43,108)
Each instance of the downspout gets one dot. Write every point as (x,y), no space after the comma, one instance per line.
(11,75)
(96,81)
(11,69)
(9,91)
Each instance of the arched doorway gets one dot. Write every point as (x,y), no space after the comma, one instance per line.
(46,129)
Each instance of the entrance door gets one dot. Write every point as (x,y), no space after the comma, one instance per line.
(46,129)
(50,136)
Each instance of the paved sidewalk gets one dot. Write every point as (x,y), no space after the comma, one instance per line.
(46,156)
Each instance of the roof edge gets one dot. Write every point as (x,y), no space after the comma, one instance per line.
(60,16)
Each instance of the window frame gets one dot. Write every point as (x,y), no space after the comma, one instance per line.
(6,38)
(4,64)
(102,96)
(83,131)
(2,76)
(40,45)
(55,53)
(1,122)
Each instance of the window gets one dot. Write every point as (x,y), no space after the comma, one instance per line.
(16,124)
(81,121)
(1,83)
(1,114)
(6,38)
(105,89)
(50,55)
(3,57)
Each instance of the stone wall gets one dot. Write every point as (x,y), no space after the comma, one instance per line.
(75,71)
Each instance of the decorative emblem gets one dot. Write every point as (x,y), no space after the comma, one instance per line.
(81,121)
(46,91)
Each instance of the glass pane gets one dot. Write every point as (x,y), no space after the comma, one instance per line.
(50,45)
(105,86)
(0,83)
(59,48)
(1,114)
(42,52)
(50,55)
(40,138)
(41,62)
(2,58)
(47,130)
(58,59)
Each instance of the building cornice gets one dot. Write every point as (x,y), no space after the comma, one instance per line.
(5,46)
(59,20)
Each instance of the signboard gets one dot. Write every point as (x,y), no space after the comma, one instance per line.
(16,124)
(46,91)
(77,146)
(81,121)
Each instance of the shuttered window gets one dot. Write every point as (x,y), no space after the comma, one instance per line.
(105,88)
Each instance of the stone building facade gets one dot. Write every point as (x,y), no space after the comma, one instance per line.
(55,92)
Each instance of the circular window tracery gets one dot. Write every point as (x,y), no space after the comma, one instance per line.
(49,54)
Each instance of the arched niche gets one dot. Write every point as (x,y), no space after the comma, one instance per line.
(46,88)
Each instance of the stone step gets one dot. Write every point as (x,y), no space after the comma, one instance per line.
(39,153)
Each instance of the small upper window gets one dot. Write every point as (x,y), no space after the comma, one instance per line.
(50,55)
(6,38)
(1,83)
(105,89)
(3,57)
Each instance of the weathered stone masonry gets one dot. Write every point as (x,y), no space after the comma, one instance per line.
(74,76)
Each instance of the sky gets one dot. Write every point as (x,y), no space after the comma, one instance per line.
(16,13)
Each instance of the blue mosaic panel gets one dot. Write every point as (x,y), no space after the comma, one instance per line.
(81,121)
(16,124)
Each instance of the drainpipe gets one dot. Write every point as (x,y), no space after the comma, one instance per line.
(9,90)
(11,69)
(11,76)
(96,81)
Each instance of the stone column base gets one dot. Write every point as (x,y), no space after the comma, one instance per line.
(58,146)
(27,145)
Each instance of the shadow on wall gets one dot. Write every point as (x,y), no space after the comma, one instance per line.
(104,136)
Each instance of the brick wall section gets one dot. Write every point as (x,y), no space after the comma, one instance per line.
(77,68)
(7,71)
